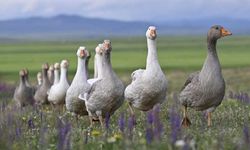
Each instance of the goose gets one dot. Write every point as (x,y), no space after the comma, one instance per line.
(56,73)
(41,96)
(107,94)
(23,94)
(57,92)
(205,90)
(79,84)
(148,86)
(51,74)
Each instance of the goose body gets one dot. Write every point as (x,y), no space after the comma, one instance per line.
(57,92)
(106,94)
(205,90)
(41,96)
(78,85)
(23,94)
(149,86)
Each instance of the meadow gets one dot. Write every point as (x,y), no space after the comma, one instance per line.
(42,128)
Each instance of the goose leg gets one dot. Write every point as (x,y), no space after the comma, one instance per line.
(185,122)
(209,119)
(99,114)
(131,109)
(91,121)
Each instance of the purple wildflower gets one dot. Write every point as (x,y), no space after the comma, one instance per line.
(121,122)
(158,126)
(175,123)
(150,117)
(63,135)
(149,135)
(31,124)
(18,132)
(107,120)
(41,116)
(246,134)
(131,124)
(186,147)
(43,131)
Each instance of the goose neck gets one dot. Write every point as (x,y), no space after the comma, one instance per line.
(56,78)
(152,58)
(22,80)
(45,77)
(81,68)
(63,76)
(106,68)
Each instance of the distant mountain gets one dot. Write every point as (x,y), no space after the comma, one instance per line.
(68,27)
(75,27)
(201,25)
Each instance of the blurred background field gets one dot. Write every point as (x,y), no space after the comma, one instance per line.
(176,53)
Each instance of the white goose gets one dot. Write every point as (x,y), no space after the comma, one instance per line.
(148,86)
(57,92)
(106,94)
(78,85)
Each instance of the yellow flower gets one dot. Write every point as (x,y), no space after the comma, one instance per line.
(95,133)
(24,118)
(117,136)
(142,141)
(111,140)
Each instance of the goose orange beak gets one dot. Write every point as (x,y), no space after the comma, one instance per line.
(225,32)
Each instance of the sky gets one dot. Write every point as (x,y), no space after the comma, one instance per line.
(127,10)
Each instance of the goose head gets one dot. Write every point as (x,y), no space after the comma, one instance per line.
(22,73)
(82,52)
(51,68)
(106,46)
(217,31)
(151,33)
(57,66)
(45,66)
(65,64)
(99,49)
(26,71)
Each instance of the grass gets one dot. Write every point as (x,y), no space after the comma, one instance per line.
(35,128)
(175,53)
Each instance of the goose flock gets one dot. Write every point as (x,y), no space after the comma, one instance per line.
(99,97)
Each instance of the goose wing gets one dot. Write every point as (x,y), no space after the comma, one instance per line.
(137,74)
(190,78)
(85,96)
